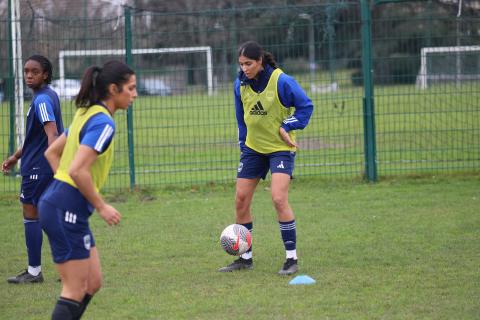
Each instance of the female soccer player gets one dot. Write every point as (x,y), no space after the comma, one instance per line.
(44,124)
(81,159)
(270,105)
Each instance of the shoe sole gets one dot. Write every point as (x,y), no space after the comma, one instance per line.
(231,270)
(25,282)
(22,282)
(289,271)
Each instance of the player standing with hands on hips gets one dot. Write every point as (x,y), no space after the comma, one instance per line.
(44,124)
(270,106)
(81,159)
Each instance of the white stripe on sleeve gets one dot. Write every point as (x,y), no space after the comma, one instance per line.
(43,112)
(106,133)
(290,120)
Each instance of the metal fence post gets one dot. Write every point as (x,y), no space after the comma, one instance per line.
(234,41)
(368,99)
(9,85)
(128,61)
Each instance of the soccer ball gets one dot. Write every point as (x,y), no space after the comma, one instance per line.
(236,239)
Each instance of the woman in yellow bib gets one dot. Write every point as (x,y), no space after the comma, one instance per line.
(270,106)
(81,159)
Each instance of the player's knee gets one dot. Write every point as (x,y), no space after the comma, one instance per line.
(241,200)
(280,202)
(30,212)
(94,285)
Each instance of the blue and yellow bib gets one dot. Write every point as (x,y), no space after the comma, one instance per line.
(263,115)
(101,167)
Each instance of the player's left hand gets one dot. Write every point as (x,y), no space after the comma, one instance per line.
(286,137)
(110,214)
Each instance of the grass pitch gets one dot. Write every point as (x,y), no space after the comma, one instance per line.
(191,138)
(398,249)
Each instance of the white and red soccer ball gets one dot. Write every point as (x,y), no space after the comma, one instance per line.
(236,239)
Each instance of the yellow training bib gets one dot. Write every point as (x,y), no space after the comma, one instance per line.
(263,114)
(101,167)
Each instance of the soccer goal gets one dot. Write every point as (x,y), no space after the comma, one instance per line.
(112,52)
(448,65)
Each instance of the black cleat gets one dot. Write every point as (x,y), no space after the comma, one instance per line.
(26,277)
(289,267)
(238,264)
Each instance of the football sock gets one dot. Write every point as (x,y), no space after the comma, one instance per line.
(66,309)
(34,271)
(291,254)
(84,304)
(33,241)
(248,254)
(289,237)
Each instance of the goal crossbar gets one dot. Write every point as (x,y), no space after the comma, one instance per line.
(118,52)
(422,77)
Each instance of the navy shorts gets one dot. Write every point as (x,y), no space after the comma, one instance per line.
(256,165)
(68,232)
(33,186)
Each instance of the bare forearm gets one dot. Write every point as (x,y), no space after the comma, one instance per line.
(53,161)
(54,152)
(84,182)
(52,138)
(51,131)
(17,154)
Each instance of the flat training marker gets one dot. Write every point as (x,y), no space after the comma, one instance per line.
(303,279)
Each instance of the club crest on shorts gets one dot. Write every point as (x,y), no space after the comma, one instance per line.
(240,167)
(87,242)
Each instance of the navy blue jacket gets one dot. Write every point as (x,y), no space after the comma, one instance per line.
(45,107)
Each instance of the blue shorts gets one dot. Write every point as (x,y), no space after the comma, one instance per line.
(65,223)
(33,186)
(256,165)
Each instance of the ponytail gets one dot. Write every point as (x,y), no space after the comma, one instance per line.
(88,94)
(269,59)
(96,80)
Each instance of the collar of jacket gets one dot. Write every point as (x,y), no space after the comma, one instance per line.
(261,82)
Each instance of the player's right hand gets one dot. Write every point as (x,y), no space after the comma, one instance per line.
(8,164)
(110,214)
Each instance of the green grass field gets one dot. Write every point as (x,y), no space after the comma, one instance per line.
(405,248)
(191,138)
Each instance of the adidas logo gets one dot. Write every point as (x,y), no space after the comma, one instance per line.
(70,217)
(281,166)
(258,110)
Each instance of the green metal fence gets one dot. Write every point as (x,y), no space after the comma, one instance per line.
(416,110)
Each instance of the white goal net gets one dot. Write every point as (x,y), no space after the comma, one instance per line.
(448,65)
(118,52)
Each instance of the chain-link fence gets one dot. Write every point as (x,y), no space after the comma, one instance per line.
(417,111)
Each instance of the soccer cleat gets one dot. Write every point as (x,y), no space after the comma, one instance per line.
(289,267)
(25,277)
(238,264)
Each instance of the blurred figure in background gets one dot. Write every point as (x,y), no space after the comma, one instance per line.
(44,125)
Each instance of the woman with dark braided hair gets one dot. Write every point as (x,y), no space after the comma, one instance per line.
(44,124)
(81,159)
(270,106)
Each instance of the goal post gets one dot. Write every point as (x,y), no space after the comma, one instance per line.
(118,52)
(425,74)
